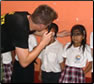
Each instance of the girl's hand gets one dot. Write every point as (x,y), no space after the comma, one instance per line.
(88,68)
(85,73)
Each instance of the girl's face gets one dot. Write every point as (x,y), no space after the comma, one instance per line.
(77,37)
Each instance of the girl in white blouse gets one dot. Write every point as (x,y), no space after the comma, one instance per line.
(76,54)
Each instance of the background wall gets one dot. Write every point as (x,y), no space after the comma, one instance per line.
(69,14)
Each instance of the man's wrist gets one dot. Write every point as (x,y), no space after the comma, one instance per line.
(41,45)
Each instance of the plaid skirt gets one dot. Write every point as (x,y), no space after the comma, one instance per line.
(7,72)
(72,75)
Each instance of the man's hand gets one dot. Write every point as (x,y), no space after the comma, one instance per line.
(46,38)
(63,33)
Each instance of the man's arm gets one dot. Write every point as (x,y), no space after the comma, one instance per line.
(25,57)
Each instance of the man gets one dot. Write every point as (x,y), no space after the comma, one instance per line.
(16,27)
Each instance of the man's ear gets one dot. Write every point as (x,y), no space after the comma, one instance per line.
(42,25)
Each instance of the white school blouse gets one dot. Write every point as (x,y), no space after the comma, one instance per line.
(32,42)
(91,45)
(51,57)
(75,56)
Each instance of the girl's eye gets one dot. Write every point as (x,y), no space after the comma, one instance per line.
(76,34)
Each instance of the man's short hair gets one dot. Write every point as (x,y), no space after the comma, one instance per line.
(43,15)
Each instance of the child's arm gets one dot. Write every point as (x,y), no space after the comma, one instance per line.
(92,51)
(63,33)
(63,64)
(13,54)
(88,68)
(40,71)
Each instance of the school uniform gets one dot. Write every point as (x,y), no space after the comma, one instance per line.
(75,61)
(91,46)
(51,58)
(6,67)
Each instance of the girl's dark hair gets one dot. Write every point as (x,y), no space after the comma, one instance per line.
(53,26)
(82,30)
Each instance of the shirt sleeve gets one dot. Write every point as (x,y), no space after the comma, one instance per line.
(65,50)
(89,54)
(35,42)
(60,59)
(32,42)
(19,33)
(91,40)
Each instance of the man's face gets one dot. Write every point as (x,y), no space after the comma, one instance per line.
(37,27)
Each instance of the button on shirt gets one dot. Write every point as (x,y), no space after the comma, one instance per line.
(75,56)
(51,57)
